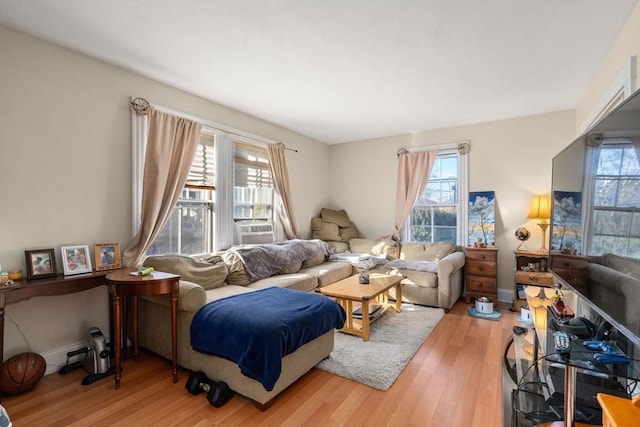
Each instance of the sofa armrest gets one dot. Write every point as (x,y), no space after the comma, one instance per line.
(191,297)
(450,279)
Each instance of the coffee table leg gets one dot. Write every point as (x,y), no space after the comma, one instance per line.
(365,320)
(398,298)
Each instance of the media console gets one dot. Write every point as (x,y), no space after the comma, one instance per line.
(544,385)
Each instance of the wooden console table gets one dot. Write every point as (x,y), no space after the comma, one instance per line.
(23,290)
(123,284)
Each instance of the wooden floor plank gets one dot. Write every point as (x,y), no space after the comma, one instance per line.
(453,380)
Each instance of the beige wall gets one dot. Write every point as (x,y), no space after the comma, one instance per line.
(626,45)
(511,157)
(65,170)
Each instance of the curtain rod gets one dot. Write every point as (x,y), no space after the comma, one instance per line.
(463,147)
(141,106)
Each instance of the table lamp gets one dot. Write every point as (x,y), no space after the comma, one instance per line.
(541,209)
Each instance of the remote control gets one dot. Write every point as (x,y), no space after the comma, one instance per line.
(562,342)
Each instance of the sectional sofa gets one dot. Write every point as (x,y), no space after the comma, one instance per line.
(217,276)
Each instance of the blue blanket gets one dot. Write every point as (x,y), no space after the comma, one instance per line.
(257,329)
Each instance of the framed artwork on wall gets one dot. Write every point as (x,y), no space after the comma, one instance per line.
(40,263)
(107,256)
(76,259)
(482,218)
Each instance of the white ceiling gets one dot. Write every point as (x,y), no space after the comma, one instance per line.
(342,71)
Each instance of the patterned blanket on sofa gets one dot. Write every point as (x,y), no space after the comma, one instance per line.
(265,260)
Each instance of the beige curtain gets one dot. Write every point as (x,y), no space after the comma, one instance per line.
(170,149)
(413,173)
(281,180)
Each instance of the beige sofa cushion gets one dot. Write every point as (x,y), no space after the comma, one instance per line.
(329,272)
(348,233)
(382,246)
(299,282)
(237,274)
(310,262)
(211,273)
(339,247)
(340,218)
(325,230)
(433,252)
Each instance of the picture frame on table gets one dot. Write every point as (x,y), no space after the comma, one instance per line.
(76,259)
(107,256)
(40,263)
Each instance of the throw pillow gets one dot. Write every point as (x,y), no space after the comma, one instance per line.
(339,247)
(209,275)
(340,218)
(426,252)
(237,274)
(348,233)
(324,230)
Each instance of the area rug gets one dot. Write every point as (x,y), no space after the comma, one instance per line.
(393,340)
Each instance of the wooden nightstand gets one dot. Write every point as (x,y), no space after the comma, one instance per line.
(481,271)
(542,277)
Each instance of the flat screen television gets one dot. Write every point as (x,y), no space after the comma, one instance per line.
(596,218)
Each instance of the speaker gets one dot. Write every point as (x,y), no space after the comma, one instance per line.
(219,394)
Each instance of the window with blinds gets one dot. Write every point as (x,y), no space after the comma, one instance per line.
(252,183)
(189,229)
(202,172)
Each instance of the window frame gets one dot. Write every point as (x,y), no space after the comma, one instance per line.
(461,150)
(222,229)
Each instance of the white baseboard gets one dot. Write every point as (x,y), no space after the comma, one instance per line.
(57,357)
(505,295)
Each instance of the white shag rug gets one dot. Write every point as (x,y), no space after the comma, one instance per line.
(393,340)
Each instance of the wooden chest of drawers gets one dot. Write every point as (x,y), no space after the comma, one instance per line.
(571,268)
(481,271)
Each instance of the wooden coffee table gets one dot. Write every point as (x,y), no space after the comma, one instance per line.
(347,291)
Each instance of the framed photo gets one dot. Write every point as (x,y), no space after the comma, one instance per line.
(482,218)
(76,259)
(40,263)
(107,256)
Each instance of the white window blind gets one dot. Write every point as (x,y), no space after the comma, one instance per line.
(202,172)
(251,166)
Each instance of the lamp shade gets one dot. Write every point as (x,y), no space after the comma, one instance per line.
(540,207)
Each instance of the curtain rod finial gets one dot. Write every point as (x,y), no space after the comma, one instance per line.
(141,106)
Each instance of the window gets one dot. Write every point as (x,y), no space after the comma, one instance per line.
(616,214)
(438,214)
(189,229)
(229,181)
(252,183)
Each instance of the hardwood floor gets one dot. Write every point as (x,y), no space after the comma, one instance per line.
(453,380)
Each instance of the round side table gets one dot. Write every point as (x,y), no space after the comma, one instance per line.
(123,284)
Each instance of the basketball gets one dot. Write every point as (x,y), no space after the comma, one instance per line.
(21,372)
